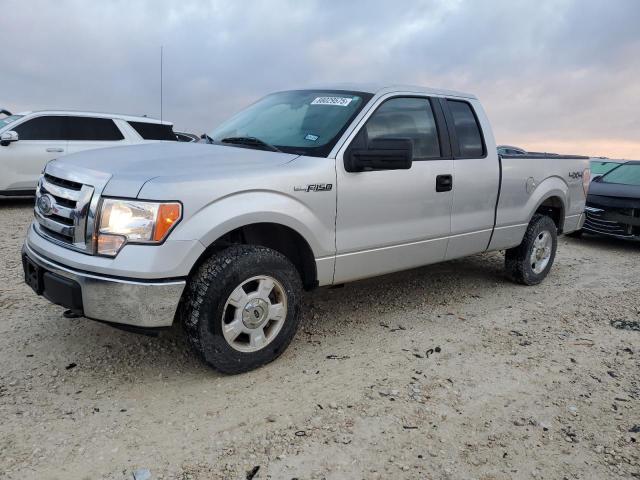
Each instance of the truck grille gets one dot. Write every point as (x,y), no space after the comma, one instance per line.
(62,212)
(621,222)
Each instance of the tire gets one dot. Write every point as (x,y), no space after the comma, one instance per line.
(235,333)
(521,264)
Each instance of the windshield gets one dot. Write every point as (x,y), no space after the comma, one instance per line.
(600,168)
(10,119)
(627,174)
(306,122)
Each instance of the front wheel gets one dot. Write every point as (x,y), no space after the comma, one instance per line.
(242,308)
(529,263)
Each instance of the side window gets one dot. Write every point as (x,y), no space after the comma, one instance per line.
(154,131)
(87,128)
(467,129)
(410,118)
(41,128)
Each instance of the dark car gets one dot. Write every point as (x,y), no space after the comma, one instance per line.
(601,166)
(186,137)
(613,203)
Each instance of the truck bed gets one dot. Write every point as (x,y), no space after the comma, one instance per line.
(531,182)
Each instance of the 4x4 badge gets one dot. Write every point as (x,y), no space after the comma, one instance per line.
(315,187)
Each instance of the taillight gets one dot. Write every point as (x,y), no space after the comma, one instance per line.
(586,179)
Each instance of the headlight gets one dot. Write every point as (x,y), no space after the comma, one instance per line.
(132,221)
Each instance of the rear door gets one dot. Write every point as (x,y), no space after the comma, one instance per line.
(390,220)
(476,177)
(40,139)
(86,133)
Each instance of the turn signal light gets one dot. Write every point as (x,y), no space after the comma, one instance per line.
(110,245)
(168,215)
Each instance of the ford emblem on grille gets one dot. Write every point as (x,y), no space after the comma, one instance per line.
(46,204)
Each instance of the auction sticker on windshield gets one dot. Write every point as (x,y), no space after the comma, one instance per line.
(338,101)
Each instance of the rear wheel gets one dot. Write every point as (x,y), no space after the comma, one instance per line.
(529,263)
(242,308)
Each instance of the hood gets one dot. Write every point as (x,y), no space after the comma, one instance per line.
(605,189)
(613,195)
(131,166)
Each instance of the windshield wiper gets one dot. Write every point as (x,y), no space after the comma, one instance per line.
(207,138)
(251,142)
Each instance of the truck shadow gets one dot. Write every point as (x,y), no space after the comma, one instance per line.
(434,285)
(325,311)
(16,202)
(439,283)
(396,297)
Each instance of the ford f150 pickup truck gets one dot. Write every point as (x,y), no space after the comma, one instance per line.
(302,189)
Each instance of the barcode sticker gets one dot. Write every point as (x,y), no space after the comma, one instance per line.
(338,101)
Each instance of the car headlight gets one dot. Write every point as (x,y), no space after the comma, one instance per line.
(132,221)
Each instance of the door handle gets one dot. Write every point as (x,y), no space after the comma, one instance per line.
(55,149)
(444,183)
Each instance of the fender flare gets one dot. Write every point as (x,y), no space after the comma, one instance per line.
(559,189)
(240,209)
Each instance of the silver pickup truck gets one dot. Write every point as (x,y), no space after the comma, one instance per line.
(302,189)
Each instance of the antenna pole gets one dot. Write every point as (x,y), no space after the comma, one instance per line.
(161,55)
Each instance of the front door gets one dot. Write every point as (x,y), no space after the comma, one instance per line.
(390,220)
(40,139)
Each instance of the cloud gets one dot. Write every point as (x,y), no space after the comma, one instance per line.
(556,73)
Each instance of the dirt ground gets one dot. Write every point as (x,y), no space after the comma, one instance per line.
(526,382)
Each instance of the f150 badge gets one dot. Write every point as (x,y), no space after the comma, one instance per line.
(314,187)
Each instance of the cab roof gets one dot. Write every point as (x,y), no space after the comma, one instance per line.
(381,89)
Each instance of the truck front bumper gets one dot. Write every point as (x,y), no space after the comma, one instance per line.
(134,302)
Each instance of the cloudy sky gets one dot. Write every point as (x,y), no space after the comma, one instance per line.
(554,75)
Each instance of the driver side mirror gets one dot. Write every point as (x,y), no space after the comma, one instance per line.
(380,154)
(8,137)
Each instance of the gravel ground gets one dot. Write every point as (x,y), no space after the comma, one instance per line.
(448,371)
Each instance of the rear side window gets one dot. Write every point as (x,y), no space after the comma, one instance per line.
(41,128)
(467,129)
(407,118)
(154,131)
(87,128)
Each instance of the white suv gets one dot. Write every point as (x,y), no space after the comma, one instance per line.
(29,140)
